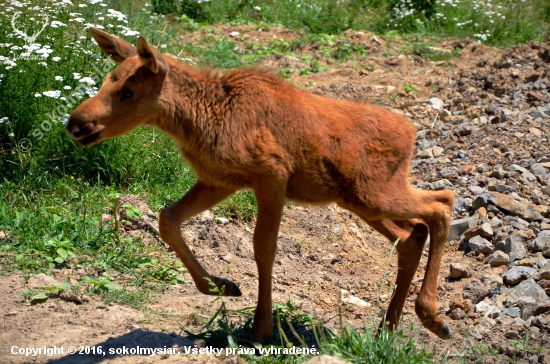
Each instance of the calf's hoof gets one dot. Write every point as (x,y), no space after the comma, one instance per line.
(445,332)
(229,288)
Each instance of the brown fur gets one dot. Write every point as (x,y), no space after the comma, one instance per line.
(250,129)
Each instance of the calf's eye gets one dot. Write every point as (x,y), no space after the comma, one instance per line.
(127,94)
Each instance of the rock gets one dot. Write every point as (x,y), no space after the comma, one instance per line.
(511,351)
(234,34)
(513,312)
(508,205)
(444,114)
(538,169)
(545,285)
(528,309)
(526,262)
(457,314)
(458,227)
(512,335)
(475,291)
(516,168)
(464,304)
(499,258)
(540,243)
(526,289)
(542,309)
(492,280)
(435,103)
(461,205)
(442,185)
(535,132)
(540,322)
(41,280)
(514,248)
(480,245)
(496,223)
(222,220)
(448,172)
(493,184)
(484,230)
(437,151)
(543,273)
(486,308)
(539,114)
(476,190)
(517,274)
(73,297)
(346,297)
(425,154)
(459,270)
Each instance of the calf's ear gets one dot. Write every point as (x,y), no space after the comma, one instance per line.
(150,57)
(117,49)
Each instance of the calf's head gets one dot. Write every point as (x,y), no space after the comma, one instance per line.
(130,96)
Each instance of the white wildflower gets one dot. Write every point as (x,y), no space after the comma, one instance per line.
(57,24)
(129,33)
(115,14)
(88,81)
(54,94)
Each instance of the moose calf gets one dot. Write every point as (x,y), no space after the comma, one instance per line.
(251,129)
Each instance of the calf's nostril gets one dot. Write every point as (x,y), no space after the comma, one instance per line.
(76,131)
(76,127)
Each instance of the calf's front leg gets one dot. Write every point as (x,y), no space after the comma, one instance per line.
(271,201)
(199,198)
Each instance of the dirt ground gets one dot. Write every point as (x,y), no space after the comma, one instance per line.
(320,250)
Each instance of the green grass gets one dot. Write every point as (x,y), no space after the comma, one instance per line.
(295,329)
(365,346)
(498,22)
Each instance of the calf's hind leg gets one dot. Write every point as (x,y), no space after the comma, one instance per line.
(434,208)
(412,235)
(199,198)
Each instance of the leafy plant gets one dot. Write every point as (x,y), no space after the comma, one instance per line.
(57,251)
(104,284)
(131,211)
(409,88)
